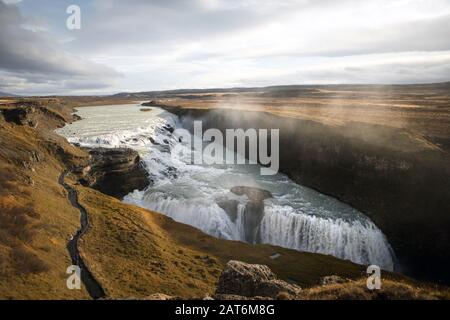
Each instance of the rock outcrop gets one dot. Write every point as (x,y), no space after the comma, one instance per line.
(151,103)
(21,115)
(115,171)
(252,280)
(254,210)
(254,194)
(230,206)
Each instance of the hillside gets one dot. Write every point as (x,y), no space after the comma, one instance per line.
(36,218)
(4,94)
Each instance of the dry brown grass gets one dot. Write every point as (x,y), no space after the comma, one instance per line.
(18,224)
(35,217)
(390,290)
(424,113)
(34,226)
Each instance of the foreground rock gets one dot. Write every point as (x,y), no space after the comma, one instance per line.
(252,280)
(116,171)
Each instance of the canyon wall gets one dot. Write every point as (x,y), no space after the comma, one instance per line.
(397,179)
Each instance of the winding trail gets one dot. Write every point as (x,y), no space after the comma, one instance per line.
(94,288)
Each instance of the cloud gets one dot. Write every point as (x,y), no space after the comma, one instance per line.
(247,42)
(270,27)
(405,67)
(31,61)
(164,44)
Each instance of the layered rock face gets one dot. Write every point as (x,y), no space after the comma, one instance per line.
(252,280)
(115,171)
(49,113)
(254,210)
(21,116)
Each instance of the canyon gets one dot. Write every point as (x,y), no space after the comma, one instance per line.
(127,245)
(389,164)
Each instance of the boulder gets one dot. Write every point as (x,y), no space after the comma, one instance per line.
(252,280)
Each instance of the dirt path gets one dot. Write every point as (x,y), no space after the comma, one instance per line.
(94,288)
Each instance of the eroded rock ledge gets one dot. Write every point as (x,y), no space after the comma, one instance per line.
(254,210)
(114,171)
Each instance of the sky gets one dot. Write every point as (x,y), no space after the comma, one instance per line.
(144,45)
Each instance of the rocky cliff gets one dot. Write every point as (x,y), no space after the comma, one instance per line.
(114,171)
(399,180)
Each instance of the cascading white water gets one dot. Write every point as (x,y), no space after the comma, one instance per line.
(204,215)
(240,221)
(296,217)
(359,241)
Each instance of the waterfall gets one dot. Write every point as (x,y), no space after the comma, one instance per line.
(240,221)
(206,216)
(359,241)
(296,217)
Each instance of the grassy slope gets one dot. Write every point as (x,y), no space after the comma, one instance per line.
(390,290)
(36,218)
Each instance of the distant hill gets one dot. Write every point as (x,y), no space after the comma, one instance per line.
(4,94)
(283,89)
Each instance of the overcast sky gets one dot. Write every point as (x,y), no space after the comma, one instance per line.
(141,45)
